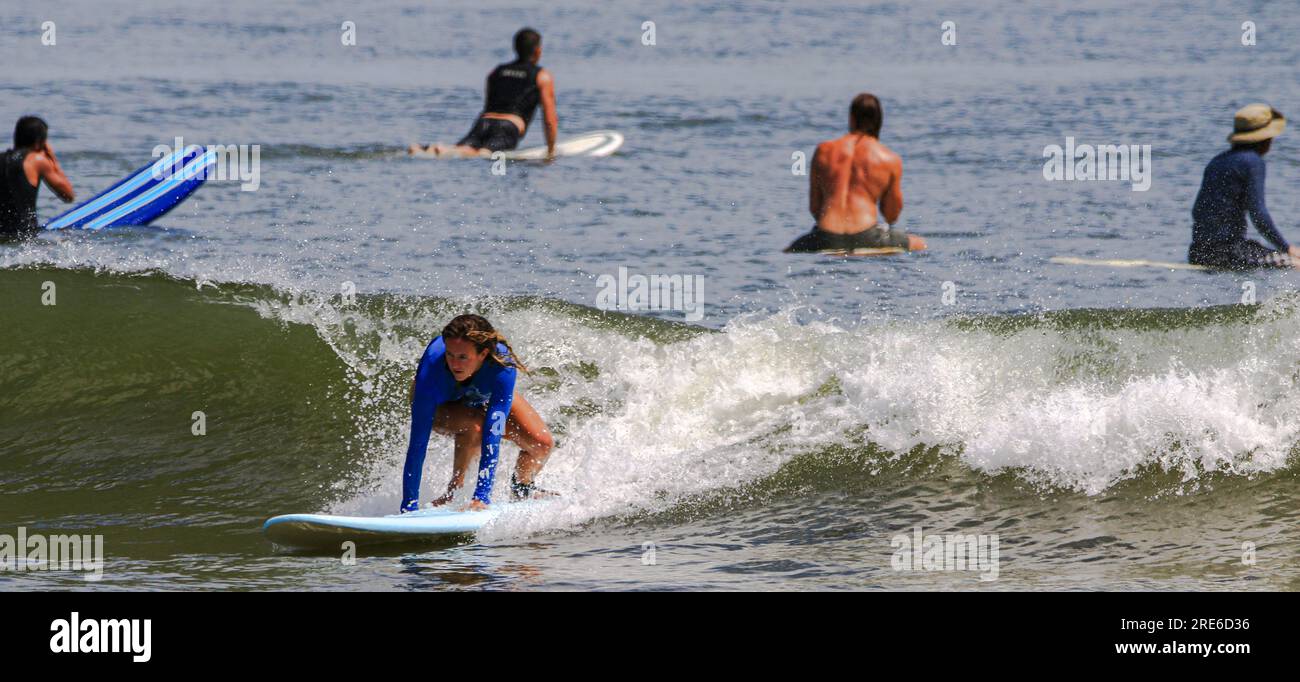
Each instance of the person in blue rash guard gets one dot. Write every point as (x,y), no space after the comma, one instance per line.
(465,387)
(1231,190)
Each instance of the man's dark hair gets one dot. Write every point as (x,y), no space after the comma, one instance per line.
(526,41)
(866,114)
(1261,147)
(30,132)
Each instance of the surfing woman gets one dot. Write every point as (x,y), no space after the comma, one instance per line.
(465,388)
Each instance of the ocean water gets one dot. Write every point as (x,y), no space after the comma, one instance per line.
(1111,428)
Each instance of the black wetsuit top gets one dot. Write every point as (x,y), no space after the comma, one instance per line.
(17,197)
(512,89)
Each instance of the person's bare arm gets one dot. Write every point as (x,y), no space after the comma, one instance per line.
(48,169)
(815,197)
(891,204)
(550,118)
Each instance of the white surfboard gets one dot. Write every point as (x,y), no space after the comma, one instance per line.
(329,531)
(594,144)
(1117,263)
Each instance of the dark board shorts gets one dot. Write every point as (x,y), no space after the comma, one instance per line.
(874,238)
(494,134)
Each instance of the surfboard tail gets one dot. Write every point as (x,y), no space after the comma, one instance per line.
(143,196)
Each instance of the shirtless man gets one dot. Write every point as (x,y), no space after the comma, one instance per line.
(21,171)
(850,176)
(514,91)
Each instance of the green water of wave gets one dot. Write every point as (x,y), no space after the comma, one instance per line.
(104,390)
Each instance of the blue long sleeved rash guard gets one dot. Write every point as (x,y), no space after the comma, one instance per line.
(493,384)
(1231,189)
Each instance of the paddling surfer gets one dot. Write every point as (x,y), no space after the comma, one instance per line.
(1232,189)
(22,169)
(851,176)
(514,91)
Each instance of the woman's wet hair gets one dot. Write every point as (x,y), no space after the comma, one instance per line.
(478,331)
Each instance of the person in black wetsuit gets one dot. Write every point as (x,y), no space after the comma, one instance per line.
(1232,189)
(21,170)
(514,91)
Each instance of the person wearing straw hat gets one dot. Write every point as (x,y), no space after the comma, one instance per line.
(1233,189)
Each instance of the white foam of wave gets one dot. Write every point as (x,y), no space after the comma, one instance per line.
(1072,407)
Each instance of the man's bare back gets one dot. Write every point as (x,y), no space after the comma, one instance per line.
(850,176)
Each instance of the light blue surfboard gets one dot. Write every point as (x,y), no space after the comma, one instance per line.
(318,531)
(143,196)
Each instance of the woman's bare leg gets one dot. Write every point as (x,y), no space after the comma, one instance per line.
(524,428)
(465,426)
